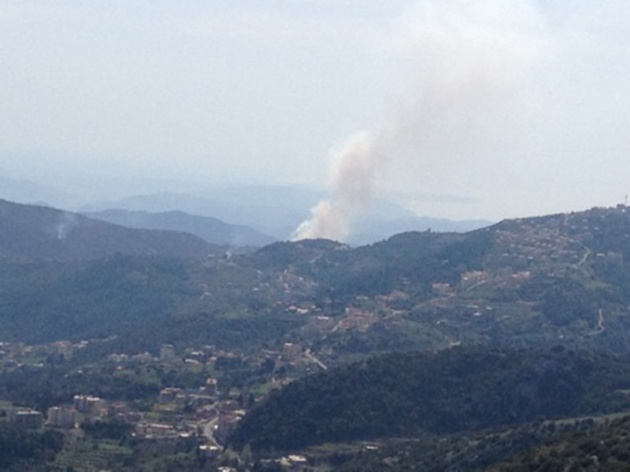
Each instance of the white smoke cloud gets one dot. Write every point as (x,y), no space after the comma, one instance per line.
(472,63)
(353,178)
(66,224)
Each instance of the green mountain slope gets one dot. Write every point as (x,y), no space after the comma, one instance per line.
(450,391)
(49,301)
(528,282)
(29,232)
(531,282)
(605,448)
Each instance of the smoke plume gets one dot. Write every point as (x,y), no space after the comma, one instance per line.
(472,63)
(353,178)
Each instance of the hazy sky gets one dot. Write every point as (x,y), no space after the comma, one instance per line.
(520,107)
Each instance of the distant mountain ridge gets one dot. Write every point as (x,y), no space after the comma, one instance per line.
(276,220)
(275,211)
(24,191)
(368,230)
(210,229)
(31,232)
(278,212)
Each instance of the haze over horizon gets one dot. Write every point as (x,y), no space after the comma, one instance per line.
(261,92)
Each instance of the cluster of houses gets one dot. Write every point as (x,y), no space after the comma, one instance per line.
(59,416)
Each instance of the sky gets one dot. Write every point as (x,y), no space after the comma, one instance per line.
(478,109)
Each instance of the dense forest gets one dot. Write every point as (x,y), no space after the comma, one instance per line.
(460,389)
(27,450)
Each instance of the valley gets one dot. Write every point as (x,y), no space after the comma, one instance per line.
(314,236)
(188,354)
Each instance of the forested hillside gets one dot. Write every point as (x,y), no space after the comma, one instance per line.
(34,233)
(530,282)
(460,389)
